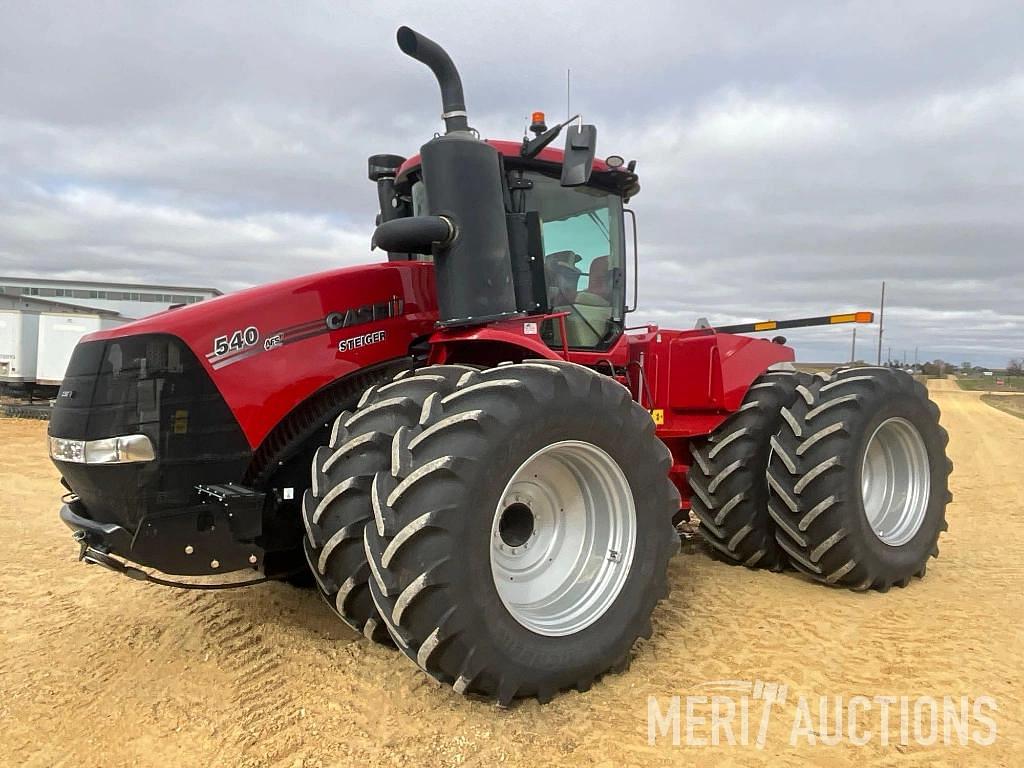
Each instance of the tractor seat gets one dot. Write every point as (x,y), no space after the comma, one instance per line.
(599,282)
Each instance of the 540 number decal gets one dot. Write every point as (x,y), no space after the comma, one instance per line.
(237,340)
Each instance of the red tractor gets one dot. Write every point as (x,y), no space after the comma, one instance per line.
(498,460)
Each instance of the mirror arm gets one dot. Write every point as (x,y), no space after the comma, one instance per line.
(636,263)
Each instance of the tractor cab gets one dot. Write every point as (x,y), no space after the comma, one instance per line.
(584,259)
(577,268)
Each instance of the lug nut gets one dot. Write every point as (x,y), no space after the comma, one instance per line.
(215,563)
(189,550)
(253,559)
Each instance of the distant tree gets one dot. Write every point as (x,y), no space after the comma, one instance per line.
(1015,367)
(937,367)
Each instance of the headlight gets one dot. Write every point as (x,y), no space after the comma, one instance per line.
(112,450)
(67,450)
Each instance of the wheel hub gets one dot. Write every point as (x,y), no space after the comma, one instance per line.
(895,481)
(563,537)
(516,525)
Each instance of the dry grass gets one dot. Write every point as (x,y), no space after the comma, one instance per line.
(988,384)
(1008,403)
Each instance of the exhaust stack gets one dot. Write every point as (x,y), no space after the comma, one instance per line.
(465,226)
(425,50)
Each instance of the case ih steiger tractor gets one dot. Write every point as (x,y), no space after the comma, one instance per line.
(497,460)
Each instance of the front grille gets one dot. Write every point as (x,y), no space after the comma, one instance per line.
(149,384)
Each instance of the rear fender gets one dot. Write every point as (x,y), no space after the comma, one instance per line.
(714,372)
(697,379)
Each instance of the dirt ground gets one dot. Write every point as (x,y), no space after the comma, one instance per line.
(96,669)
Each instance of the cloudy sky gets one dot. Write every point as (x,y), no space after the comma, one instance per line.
(792,155)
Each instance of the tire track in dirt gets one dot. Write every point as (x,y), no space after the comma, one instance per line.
(267,717)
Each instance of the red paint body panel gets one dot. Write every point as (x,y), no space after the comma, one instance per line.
(696,378)
(261,389)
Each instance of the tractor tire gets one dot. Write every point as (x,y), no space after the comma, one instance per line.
(727,477)
(860,480)
(523,532)
(337,506)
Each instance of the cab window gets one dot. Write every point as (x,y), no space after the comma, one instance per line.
(583,262)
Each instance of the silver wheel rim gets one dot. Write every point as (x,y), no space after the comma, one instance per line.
(563,538)
(895,481)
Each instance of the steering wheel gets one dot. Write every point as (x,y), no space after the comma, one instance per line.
(562,276)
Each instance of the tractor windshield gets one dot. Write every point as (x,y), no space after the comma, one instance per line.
(583,258)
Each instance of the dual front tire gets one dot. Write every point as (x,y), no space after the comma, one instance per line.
(518,529)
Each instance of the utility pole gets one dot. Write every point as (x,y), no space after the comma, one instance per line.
(853,347)
(889,356)
(881,324)
(915,357)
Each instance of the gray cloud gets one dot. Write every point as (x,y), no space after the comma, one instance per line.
(791,158)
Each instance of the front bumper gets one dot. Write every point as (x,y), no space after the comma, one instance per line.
(201,540)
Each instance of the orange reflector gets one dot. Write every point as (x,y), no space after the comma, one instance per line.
(766,326)
(537,117)
(853,317)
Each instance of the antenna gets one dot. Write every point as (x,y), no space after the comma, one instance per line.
(568,94)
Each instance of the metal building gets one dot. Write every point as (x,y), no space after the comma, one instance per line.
(130,300)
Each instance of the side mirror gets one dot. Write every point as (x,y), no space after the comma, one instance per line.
(580,148)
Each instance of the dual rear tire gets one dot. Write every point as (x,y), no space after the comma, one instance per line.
(843,477)
(727,475)
(859,479)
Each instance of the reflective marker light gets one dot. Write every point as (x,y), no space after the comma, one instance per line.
(129,449)
(615,161)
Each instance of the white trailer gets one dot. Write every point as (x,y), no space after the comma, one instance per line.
(59,333)
(19,341)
